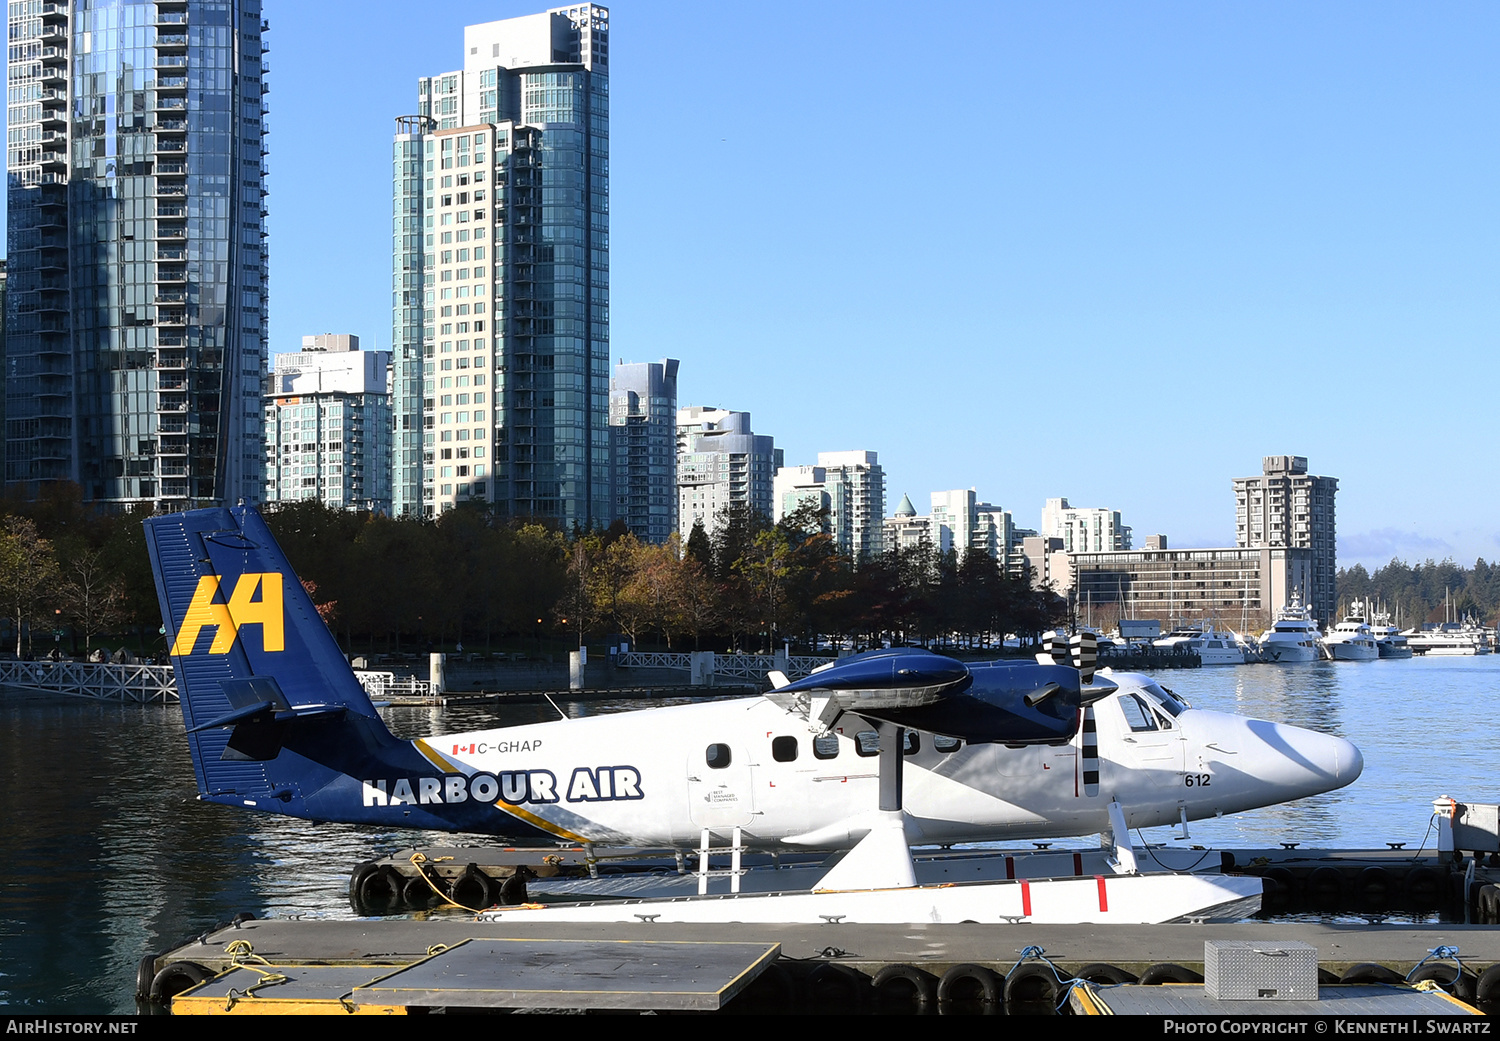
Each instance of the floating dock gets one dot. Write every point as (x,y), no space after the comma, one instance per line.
(769,968)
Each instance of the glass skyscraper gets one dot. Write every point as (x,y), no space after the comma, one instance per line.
(136,346)
(501,275)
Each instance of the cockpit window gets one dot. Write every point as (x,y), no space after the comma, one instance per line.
(1170,703)
(946,744)
(1137,715)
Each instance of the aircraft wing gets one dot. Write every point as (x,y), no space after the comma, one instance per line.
(1007,702)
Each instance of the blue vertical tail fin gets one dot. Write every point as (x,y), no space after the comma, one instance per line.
(273,710)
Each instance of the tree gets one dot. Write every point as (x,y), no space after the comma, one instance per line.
(92,596)
(765,566)
(27,569)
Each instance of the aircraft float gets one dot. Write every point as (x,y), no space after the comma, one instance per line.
(864,758)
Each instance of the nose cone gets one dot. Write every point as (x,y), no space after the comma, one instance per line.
(1298,762)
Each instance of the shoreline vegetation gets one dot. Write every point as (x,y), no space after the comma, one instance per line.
(76,577)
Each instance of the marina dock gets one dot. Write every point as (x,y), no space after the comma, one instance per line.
(826,966)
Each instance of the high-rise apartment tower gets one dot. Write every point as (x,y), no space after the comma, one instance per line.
(500,278)
(1285,507)
(722,466)
(643,445)
(136,347)
(328,425)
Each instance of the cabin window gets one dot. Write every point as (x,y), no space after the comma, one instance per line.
(946,745)
(717,756)
(1136,714)
(784,749)
(826,747)
(911,744)
(867,743)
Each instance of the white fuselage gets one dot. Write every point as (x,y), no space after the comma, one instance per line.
(664,777)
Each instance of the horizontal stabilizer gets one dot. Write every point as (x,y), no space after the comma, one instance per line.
(260,700)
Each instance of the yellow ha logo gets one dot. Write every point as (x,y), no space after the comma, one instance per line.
(241,610)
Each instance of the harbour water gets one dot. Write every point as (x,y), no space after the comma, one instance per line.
(108,856)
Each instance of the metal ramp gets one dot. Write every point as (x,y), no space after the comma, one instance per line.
(497,974)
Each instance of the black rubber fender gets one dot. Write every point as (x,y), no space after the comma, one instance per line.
(145,972)
(380,892)
(1423,886)
(774,991)
(513,889)
(1461,983)
(1325,886)
(1488,988)
(1281,885)
(357,881)
(1103,972)
(175,978)
(830,986)
(1033,982)
(1371,972)
(1488,902)
(1168,972)
(968,984)
(475,889)
(904,988)
(1374,885)
(417,894)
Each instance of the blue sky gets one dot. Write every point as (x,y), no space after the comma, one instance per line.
(1116,252)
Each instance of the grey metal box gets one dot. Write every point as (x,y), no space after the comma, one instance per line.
(1245,970)
(1476,826)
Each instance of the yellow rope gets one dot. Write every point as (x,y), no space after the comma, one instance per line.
(241,952)
(418,859)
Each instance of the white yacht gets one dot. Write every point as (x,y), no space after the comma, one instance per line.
(1390,642)
(1213,646)
(1293,637)
(1351,639)
(1450,638)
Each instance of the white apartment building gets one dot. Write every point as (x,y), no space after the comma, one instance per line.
(904,530)
(721,465)
(953,520)
(328,425)
(851,486)
(1084,529)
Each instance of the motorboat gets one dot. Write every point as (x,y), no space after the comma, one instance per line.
(1213,646)
(1293,637)
(1351,639)
(1390,643)
(1450,638)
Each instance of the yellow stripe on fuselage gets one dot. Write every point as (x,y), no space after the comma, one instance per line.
(443,763)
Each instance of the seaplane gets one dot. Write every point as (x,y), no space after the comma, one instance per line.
(862,760)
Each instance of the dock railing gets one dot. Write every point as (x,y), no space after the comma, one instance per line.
(139,682)
(157,683)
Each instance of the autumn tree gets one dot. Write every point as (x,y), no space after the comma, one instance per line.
(28,570)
